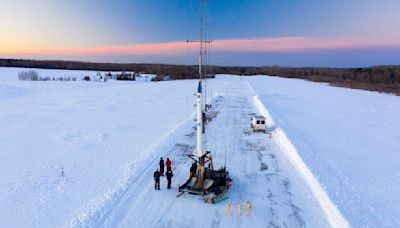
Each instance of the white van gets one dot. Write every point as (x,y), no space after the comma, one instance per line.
(258,123)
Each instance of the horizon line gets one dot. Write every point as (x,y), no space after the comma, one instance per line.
(287,44)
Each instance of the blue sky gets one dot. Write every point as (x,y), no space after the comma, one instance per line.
(76,30)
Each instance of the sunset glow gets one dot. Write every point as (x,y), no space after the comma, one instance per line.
(268,32)
(275,44)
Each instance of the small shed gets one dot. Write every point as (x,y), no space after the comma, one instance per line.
(258,123)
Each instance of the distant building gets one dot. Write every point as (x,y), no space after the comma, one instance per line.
(167,78)
(99,78)
(109,75)
(126,76)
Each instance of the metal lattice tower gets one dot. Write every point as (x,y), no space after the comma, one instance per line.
(203,43)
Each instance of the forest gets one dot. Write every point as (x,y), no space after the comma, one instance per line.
(375,78)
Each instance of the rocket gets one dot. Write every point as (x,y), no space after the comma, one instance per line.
(199,120)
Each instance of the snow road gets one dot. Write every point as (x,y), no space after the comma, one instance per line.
(261,172)
(98,134)
(348,138)
(82,154)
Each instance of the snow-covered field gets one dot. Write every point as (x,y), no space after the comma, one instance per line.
(350,140)
(96,132)
(261,174)
(83,153)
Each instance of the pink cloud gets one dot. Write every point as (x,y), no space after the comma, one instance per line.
(295,44)
(263,44)
(170,48)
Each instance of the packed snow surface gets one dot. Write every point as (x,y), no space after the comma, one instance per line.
(261,174)
(82,154)
(349,139)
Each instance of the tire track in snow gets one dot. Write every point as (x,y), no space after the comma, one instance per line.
(102,208)
(117,207)
(247,150)
(333,215)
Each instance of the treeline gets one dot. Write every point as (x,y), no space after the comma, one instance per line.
(174,71)
(378,78)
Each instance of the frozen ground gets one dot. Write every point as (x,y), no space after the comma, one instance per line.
(96,132)
(83,154)
(261,174)
(350,140)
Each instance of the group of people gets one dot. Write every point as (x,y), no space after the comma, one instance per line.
(160,172)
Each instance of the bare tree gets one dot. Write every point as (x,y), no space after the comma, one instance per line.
(28,75)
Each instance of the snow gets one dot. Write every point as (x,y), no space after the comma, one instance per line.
(334,216)
(279,196)
(93,130)
(107,139)
(349,139)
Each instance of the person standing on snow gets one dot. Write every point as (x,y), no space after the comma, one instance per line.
(162,166)
(157,180)
(169,178)
(168,163)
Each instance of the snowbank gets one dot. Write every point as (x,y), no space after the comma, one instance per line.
(349,139)
(97,134)
(334,216)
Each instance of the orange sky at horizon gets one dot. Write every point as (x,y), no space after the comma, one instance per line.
(260,44)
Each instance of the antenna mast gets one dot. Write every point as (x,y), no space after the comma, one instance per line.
(200,180)
(199,95)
